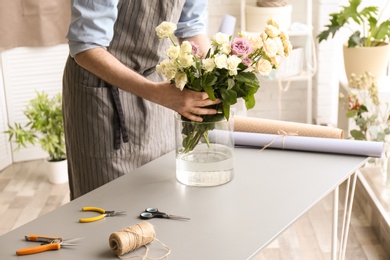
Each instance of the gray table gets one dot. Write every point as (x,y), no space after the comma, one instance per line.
(271,189)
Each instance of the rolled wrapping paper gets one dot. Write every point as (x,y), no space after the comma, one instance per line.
(269,126)
(314,144)
(132,237)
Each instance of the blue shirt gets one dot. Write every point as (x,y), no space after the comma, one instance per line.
(92,23)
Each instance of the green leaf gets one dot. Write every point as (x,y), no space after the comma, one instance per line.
(228,96)
(357,135)
(210,91)
(355,40)
(351,113)
(249,101)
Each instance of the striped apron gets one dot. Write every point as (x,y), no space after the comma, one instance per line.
(108,131)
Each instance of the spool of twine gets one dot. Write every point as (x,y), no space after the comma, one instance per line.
(271,3)
(131,238)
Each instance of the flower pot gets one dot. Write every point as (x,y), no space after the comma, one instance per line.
(359,60)
(207,160)
(257,17)
(57,171)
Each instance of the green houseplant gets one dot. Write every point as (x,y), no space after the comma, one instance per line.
(369,31)
(45,126)
(367,49)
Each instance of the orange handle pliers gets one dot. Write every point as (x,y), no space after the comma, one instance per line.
(48,243)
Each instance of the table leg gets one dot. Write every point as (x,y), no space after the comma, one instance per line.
(347,212)
(335,222)
(343,242)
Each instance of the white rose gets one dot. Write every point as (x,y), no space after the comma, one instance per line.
(173,52)
(272,22)
(287,47)
(226,48)
(186,60)
(165,29)
(283,36)
(280,46)
(232,64)
(221,61)
(263,67)
(270,47)
(208,64)
(243,35)
(276,60)
(186,47)
(221,38)
(180,80)
(256,41)
(167,68)
(272,31)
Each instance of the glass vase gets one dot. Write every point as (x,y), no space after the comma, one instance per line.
(204,151)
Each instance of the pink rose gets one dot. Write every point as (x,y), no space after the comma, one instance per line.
(241,46)
(195,49)
(247,61)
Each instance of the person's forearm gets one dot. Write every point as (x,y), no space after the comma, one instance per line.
(101,63)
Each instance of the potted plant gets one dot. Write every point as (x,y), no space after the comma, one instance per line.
(45,126)
(367,49)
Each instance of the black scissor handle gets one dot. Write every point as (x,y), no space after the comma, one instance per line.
(152,210)
(152,213)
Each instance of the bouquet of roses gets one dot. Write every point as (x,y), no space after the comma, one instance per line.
(227,72)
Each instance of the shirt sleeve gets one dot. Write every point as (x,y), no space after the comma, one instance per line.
(91,25)
(193,19)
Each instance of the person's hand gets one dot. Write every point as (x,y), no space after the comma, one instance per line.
(188,103)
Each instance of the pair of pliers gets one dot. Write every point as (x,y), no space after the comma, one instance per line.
(48,243)
(104,213)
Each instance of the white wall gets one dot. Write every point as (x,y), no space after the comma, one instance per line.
(26,70)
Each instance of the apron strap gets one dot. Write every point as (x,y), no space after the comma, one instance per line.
(119,119)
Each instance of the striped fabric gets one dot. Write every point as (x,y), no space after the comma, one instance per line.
(91,116)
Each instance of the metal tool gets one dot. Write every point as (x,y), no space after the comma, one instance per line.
(104,213)
(48,243)
(155,213)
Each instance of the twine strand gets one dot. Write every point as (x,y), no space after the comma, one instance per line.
(281,134)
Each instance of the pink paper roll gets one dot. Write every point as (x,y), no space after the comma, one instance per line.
(268,126)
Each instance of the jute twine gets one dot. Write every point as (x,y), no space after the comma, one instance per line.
(271,3)
(133,237)
(281,134)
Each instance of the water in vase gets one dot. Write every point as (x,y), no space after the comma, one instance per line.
(205,166)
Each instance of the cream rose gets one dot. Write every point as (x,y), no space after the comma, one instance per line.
(256,41)
(221,38)
(186,47)
(208,64)
(173,52)
(263,67)
(272,31)
(226,48)
(186,60)
(270,47)
(221,61)
(272,22)
(167,68)
(232,64)
(165,29)
(180,80)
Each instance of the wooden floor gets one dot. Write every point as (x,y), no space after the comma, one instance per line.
(25,194)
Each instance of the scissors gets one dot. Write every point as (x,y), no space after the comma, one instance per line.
(154,213)
(104,213)
(48,243)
